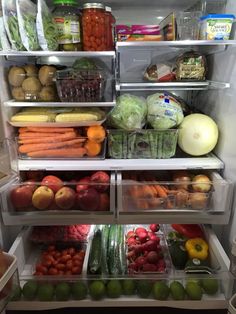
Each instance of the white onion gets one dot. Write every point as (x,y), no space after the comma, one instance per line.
(198,134)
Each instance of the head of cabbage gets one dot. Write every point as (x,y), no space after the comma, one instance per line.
(164,111)
(129,113)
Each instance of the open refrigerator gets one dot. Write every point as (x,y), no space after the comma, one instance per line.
(214,97)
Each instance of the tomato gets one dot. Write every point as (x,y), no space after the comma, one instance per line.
(77,262)
(53,271)
(68,272)
(98,41)
(65,258)
(57,255)
(46,262)
(76,270)
(69,265)
(60,266)
(60,272)
(71,251)
(42,269)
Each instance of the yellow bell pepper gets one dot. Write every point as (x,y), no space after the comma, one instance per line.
(197,248)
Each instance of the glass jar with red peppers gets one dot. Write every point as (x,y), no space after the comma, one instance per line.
(110,28)
(94,27)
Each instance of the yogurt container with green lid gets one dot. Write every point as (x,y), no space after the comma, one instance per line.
(216,26)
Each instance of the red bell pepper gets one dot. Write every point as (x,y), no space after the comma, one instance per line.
(189,231)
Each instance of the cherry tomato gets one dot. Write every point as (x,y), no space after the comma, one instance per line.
(75,270)
(65,258)
(46,262)
(60,266)
(69,265)
(71,251)
(68,272)
(53,271)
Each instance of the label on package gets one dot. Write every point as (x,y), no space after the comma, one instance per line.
(69,30)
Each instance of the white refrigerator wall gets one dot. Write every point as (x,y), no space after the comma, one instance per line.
(221,106)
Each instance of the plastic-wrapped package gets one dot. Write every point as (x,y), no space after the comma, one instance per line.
(160,73)
(11,24)
(46,27)
(191,66)
(26,14)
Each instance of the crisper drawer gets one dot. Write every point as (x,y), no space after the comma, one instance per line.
(133,289)
(180,196)
(60,200)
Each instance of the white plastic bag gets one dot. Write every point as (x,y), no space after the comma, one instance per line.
(4,43)
(26,13)
(46,27)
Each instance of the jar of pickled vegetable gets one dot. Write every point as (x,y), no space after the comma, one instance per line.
(68,20)
(94,27)
(110,28)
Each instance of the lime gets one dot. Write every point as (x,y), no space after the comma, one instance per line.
(79,290)
(144,288)
(194,291)
(62,291)
(16,293)
(45,292)
(160,290)
(177,290)
(114,289)
(30,290)
(97,290)
(210,285)
(128,287)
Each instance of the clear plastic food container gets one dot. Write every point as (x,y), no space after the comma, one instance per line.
(80,85)
(139,144)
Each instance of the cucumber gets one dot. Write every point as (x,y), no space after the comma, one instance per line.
(122,255)
(113,251)
(95,256)
(105,239)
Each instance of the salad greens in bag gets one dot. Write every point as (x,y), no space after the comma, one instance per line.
(129,113)
(11,24)
(26,13)
(46,27)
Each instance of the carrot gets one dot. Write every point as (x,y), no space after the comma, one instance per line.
(56,138)
(32,135)
(20,130)
(147,192)
(27,148)
(66,152)
(165,188)
(160,191)
(50,130)
(154,191)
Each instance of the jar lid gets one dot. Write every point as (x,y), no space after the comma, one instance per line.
(93,6)
(107,9)
(67,2)
(233,249)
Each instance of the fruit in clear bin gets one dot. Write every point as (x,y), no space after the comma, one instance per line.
(97,289)
(182,178)
(96,133)
(153,257)
(144,288)
(79,290)
(62,291)
(210,285)
(45,292)
(53,206)
(154,227)
(160,290)
(31,183)
(128,286)
(83,184)
(65,198)
(114,289)
(103,178)
(193,290)
(177,290)
(53,182)
(201,183)
(198,200)
(104,203)
(42,198)
(30,289)
(21,197)
(88,199)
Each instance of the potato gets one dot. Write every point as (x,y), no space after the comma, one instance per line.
(31,70)
(18,93)
(16,76)
(31,84)
(48,93)
(46,75)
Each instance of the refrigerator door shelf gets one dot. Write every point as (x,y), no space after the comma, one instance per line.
(135,206)
(24,251)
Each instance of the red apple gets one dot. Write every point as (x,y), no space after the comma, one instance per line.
(43,197)
(88,199)
(53,206)
(103,178)
(83,184)
(21,197)
(53,182)
(31,183)
(65,198)
(104,204)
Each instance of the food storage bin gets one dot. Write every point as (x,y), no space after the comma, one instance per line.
(138,144)
(137,196)
(80,85)
(37,203)
(31,83)
(78,148)
(9,281)
(216,26)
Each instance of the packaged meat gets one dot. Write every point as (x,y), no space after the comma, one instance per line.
(160,73)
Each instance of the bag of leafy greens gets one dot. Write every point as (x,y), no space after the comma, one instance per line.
(46,27)
(26,13)
(4,43)
(11,24)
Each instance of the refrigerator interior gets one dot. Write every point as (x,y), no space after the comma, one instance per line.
(219,104)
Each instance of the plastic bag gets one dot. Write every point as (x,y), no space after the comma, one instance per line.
(46,28)
(11,24)
(160,72)
(26,13)
(4,43)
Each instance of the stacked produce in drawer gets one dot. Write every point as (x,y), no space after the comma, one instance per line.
(173,190)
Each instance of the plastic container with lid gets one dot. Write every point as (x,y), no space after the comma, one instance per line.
(68,20)
(216,26)
(110,28)
(94,27)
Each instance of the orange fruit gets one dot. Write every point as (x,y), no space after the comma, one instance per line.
(93,148)
(96,133)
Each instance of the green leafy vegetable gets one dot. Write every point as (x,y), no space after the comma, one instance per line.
(14,32)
